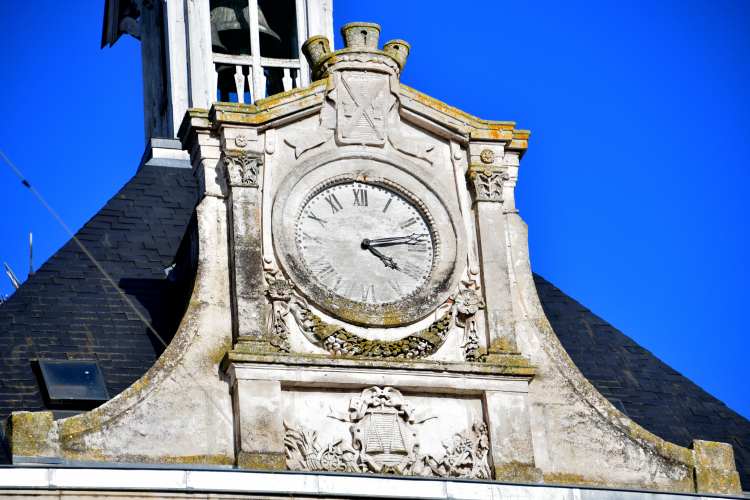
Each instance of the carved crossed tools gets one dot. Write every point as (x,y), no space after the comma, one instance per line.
(364,90)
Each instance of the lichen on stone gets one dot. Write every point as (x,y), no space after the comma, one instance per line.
(338,341)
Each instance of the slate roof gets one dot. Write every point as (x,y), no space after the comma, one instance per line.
(67,311)
(654,395)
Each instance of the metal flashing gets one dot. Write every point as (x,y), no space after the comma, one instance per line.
(319,485)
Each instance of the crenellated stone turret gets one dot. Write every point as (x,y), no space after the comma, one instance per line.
(359,38)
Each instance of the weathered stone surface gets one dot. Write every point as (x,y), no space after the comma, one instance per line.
(714,468)
(32,434)
(259,424)
(508,403)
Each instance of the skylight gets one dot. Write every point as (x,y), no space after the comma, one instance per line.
(73,381)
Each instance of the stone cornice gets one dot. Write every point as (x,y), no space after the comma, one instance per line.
(297,103)
(509,365)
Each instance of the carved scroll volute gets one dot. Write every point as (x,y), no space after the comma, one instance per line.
(242,168)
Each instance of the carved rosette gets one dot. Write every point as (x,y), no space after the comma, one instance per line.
(242,167)
(487,156)
(385,440)
(466,304)
(486,182)
(280,293)
(241,140)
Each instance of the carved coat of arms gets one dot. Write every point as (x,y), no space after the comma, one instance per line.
(384,440)
(362,107)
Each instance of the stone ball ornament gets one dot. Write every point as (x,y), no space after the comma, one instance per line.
(368,238)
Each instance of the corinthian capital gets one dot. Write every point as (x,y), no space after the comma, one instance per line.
(242,167)
(486,182)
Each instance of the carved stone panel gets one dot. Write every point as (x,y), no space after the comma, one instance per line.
(382,431)
(362,107)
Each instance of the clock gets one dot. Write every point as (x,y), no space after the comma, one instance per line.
(367,238)
(365,242)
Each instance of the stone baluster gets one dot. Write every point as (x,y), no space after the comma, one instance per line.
(486,180)
(239,80)
(287,80)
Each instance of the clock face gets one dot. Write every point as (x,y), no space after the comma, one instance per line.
(365,243)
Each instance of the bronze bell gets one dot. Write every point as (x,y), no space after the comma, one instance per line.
(230,26)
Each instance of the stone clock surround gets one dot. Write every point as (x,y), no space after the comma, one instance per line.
(376,168)
(222,391)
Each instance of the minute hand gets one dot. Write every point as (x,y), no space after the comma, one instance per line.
(412,239)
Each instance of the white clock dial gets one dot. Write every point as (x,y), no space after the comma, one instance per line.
(365,243)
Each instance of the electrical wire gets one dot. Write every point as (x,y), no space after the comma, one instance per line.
(85,250)
(111,281)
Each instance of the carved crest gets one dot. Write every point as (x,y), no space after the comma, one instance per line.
(384,440)
(362,107)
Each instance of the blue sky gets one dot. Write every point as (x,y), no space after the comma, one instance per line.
(634,185)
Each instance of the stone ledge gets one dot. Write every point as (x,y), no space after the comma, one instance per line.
(261,461)
(31,481)
(501,365)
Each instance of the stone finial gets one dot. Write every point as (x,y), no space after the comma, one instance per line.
(399,50)
(361,36)
(316,49)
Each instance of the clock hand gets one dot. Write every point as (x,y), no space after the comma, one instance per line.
(387,261)
(412,239)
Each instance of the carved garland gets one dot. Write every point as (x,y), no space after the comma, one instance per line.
(339,342)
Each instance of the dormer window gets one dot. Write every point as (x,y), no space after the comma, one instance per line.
(255,47)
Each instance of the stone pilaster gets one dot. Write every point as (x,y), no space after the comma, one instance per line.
(510,437)
(242,174)
(486,182)
(259,425)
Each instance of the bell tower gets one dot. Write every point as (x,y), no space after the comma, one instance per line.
(197,52)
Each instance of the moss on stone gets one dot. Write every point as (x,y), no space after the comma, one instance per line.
(261,461)
(31,434)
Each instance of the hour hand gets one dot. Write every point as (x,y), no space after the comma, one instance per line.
(387,261)
(412,239)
